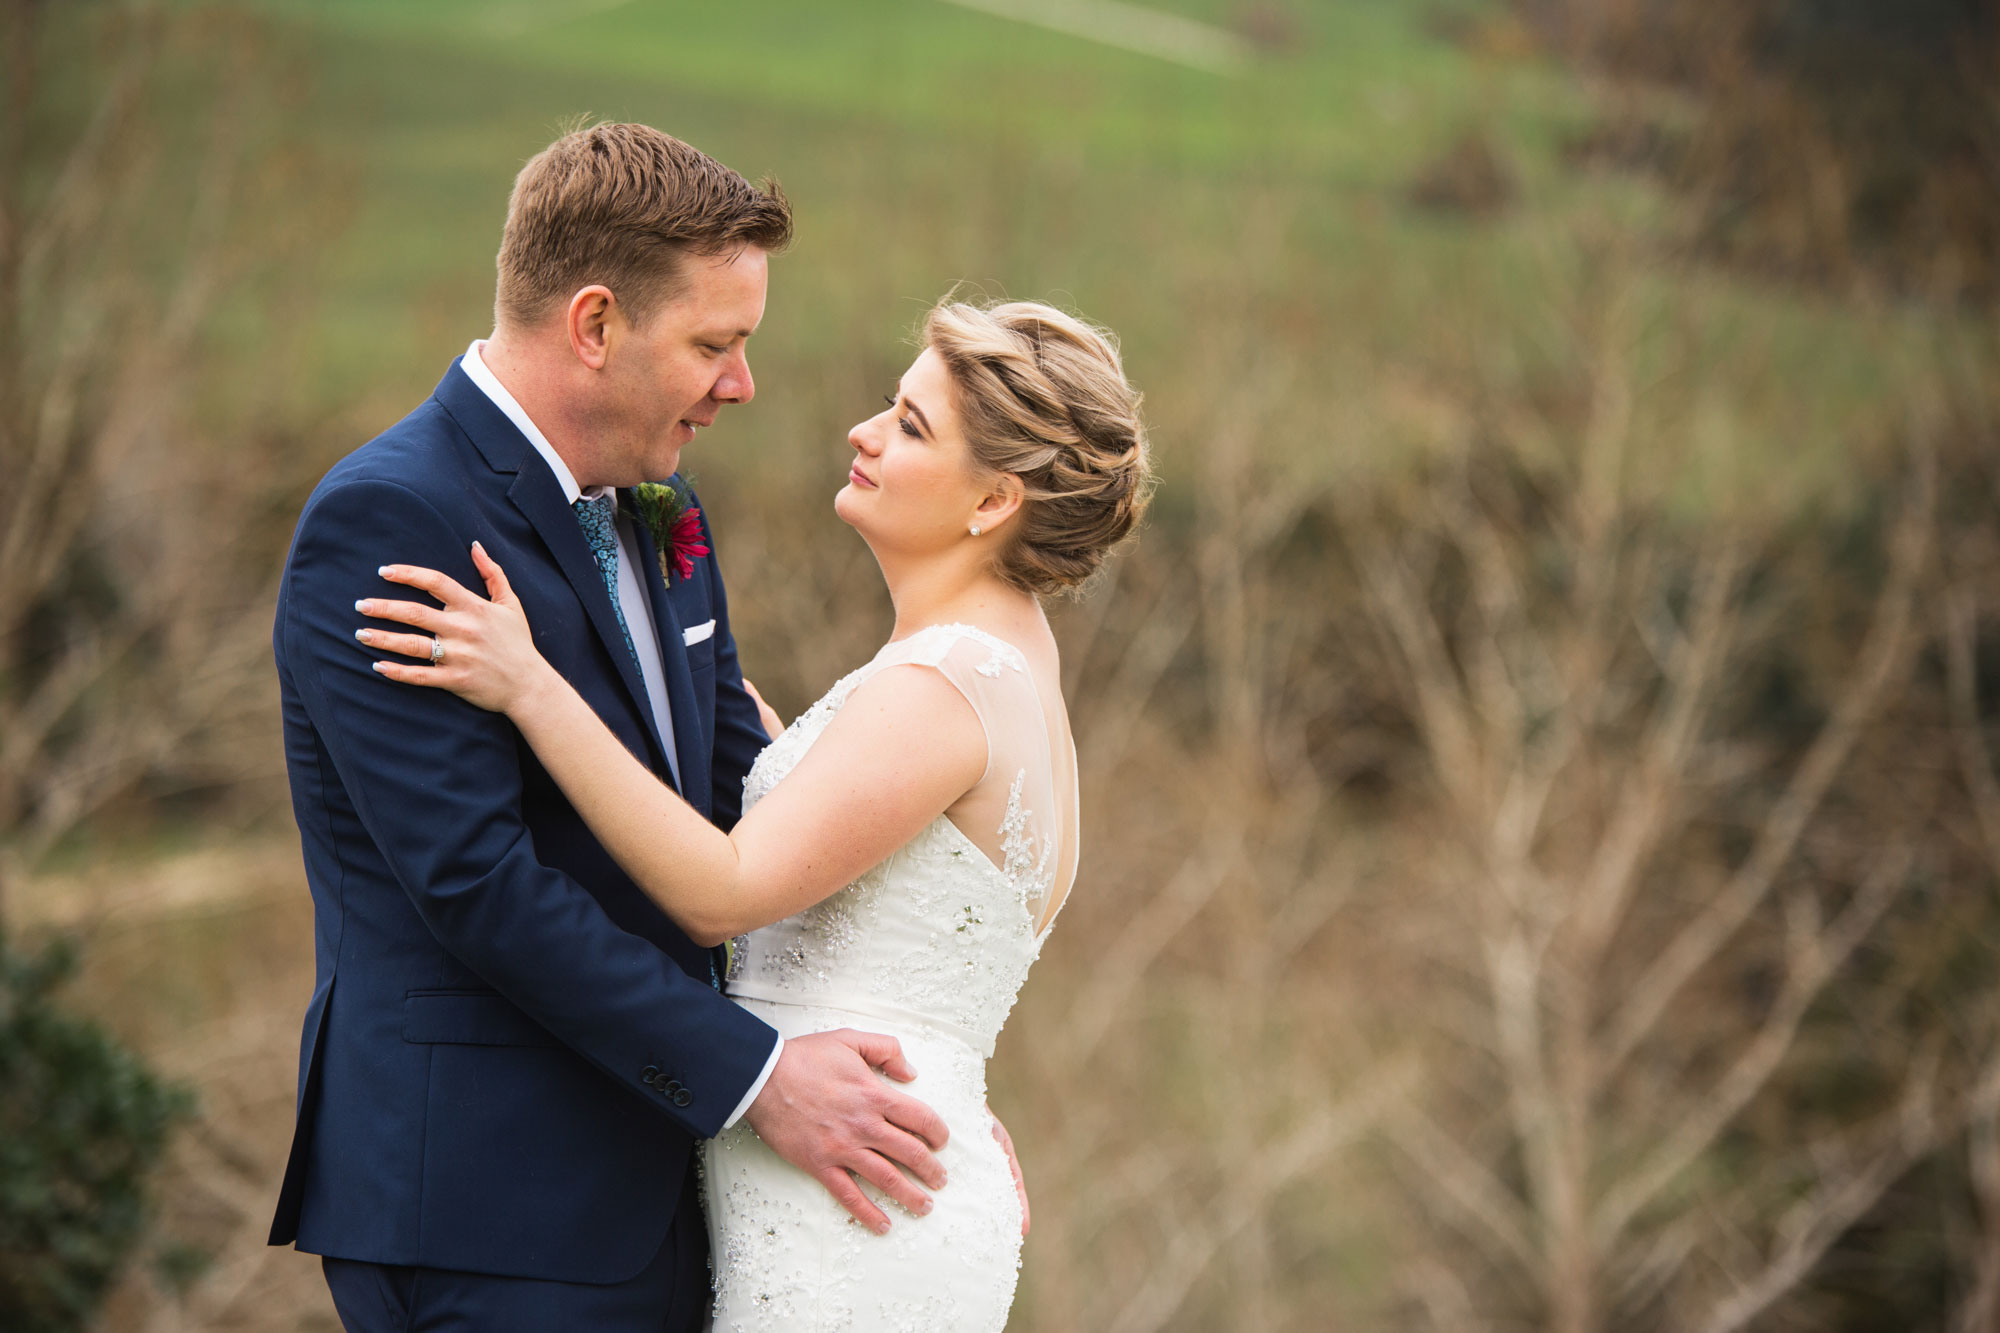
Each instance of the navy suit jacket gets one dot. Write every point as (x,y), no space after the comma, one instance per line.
(509,1051)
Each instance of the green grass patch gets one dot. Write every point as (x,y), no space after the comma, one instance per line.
(1249,234)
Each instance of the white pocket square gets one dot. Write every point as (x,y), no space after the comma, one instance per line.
(701,632)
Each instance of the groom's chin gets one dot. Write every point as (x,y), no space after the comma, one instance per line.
(664,464)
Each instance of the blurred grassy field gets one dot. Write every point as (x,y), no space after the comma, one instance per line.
(925,145)
(1293,318)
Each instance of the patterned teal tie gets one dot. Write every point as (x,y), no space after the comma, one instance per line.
(600,530)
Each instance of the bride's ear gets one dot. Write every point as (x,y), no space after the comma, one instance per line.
(1000,503)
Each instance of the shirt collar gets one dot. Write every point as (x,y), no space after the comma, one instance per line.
(481,374)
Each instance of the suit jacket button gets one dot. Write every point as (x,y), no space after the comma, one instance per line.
(649,1073)
(671,1086)
(682,1097)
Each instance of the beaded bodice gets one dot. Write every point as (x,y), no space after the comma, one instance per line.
(941,932)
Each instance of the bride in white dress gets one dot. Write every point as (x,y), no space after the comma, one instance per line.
(907,842)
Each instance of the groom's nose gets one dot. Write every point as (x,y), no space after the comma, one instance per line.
(735,385)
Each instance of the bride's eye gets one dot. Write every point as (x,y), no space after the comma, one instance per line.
(908,429)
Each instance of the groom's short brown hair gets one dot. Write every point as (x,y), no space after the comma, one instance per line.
(618,204)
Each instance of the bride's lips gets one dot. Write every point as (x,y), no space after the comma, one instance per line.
(855,475)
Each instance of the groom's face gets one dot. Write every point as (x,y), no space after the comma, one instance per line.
(671,374)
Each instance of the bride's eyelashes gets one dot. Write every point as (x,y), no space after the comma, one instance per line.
(902,423)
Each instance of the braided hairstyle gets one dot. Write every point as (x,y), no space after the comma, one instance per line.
(1042,394)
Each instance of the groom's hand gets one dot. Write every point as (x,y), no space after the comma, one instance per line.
(824,1111)
(774,725)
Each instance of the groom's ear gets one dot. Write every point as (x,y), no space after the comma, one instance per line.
(589,318)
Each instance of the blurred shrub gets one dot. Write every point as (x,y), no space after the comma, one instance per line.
(1470,178)
(1829,139)
(82,1123)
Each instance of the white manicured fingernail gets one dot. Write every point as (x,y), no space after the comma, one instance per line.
(361,605)
(362,635)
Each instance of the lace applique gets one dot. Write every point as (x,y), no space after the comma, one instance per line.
(1031,879)
(1003,653)
(1003,656)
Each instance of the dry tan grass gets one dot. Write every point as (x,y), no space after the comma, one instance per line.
(203,962)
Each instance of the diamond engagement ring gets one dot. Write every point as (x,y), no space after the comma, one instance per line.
(437,650)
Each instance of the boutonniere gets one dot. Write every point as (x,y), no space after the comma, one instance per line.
(675,524)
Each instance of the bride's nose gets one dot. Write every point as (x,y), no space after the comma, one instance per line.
(861,437)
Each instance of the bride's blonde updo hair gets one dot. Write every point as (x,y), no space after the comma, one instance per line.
(1042,394)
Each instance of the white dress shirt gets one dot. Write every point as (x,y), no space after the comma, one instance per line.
(631,600)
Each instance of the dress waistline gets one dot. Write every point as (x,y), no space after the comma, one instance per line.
(866,1007)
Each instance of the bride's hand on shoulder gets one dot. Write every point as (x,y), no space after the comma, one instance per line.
(479,648)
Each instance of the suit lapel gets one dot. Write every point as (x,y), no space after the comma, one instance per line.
(540,500)
(536,493)
(691,746)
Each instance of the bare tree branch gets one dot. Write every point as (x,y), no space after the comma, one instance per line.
(1816,960)
(1485,1207)
(1844,1195)
(1281,1166)
(1884,653)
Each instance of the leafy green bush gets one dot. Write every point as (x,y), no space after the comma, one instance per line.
(82,1122)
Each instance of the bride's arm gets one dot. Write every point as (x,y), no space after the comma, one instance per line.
(903,748)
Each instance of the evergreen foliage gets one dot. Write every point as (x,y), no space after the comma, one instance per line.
(82,1122)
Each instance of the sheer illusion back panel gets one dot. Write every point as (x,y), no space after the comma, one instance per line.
(1022,813)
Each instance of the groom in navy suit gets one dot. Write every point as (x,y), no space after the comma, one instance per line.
(510,1051)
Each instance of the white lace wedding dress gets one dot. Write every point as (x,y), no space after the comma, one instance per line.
(930,947)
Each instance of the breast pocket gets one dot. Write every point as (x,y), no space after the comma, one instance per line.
(695,614)
(699,641)
(701,665)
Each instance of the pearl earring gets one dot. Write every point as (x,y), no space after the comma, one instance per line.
(975,529)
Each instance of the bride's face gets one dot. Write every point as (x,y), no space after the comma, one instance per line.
(912,487)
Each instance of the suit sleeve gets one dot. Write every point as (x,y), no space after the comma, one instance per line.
(437,784)
(739,727)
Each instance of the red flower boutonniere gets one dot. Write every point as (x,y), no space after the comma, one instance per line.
(675,524)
